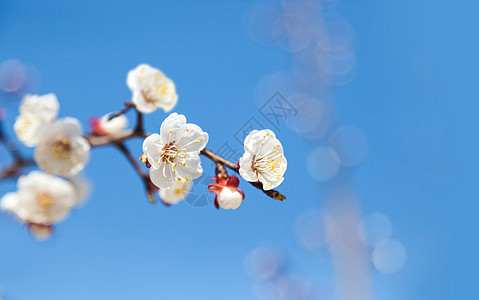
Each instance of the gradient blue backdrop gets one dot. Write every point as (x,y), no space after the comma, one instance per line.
(411,96)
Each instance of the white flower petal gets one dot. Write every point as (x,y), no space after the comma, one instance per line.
(269,184)
(9,202)
(29,129)
(176,193)
(193,139)
(253,140)
(172,128)
(191,170)
(36,112)
(162,176)
(153,147)
(45,107)
(229,198)
(245,168)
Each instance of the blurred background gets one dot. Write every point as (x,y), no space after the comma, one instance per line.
(372,101)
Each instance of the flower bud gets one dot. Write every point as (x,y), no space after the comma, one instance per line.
(229,198)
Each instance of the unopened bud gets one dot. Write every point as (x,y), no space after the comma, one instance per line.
(144,160)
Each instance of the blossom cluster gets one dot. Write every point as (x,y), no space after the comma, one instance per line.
(62,151)
(173,156)
(60,148)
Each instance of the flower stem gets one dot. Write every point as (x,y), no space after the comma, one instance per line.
(128,106)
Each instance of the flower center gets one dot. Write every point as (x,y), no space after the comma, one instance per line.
(158,89)
(61,148)
(44,200)
(169,153)
(147,95)
(267,164)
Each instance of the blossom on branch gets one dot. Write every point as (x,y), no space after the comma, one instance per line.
(263,159)
(41,199)
(176,193)
(62,150)
(105,126)
(151,89)
(173,154)
(36,113)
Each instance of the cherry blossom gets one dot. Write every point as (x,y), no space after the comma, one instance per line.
(151,89)
(41,199)
(263,159)
(62,150)
(178,192)
(173,154)
(36,112)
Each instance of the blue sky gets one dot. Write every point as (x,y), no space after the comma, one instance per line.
(411,97)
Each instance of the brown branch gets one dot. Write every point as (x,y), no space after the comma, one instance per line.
(128,105)
(19,162)
(15,169)
(218,159)
(149,187)
(105,140)
(139,123)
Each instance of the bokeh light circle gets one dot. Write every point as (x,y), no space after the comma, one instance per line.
(309,230)
(263,262)
(313,118)
(375,228)
(389,256)
(350,144)
(323,163)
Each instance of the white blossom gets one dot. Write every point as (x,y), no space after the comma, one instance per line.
(263,159)
(151,89)
(176,193)
(229,198)
(41,199)
(62,150)
(113,126)
(36,112)
(173,154)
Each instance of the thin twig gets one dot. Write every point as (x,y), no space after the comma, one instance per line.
(139,123)
(218,159)
(130,158)
(19,162)
(128,105)
(144,176)
(15,169)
